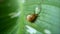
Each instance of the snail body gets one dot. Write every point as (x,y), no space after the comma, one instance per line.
(32,17)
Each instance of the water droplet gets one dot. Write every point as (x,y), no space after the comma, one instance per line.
(14,14)
(47,31)
(31,30)
(37,9)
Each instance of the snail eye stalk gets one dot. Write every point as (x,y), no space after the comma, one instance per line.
(32,18)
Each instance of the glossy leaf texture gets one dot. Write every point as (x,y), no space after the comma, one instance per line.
(48,21)
(13,14)
(9,13)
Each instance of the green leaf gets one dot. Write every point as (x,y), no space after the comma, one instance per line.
(9,15)
(13,14)
(48,19)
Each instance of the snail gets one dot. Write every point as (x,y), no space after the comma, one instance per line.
(33,17)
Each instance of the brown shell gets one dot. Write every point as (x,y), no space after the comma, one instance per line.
(33,17)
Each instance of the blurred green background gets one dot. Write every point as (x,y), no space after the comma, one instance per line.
(13,14)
